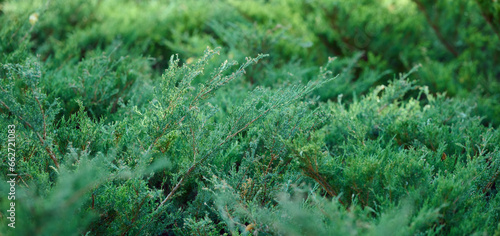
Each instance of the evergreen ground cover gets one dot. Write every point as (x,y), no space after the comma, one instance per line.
(279,117)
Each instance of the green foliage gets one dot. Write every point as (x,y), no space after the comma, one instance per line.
(373,117)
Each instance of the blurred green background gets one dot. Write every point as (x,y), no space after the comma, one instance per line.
(406,135)
(456,43)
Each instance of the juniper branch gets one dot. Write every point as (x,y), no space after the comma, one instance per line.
(205,157)
(40,138)
(436,29)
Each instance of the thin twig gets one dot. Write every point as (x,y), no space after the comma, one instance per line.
(489,20)
(43,115)
(194,144)
(436,29)
(42,140)
(193,167)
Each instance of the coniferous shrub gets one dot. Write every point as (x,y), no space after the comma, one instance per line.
(354,117)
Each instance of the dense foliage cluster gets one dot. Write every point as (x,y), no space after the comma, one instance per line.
(279,117)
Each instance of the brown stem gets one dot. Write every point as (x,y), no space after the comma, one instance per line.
(158,138)
(489,19)
(43,116)
(194,144)
(136,214)
(436,29)
(42,140)
(312,172)
(193,167)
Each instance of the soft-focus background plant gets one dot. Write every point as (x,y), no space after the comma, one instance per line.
(278,117)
